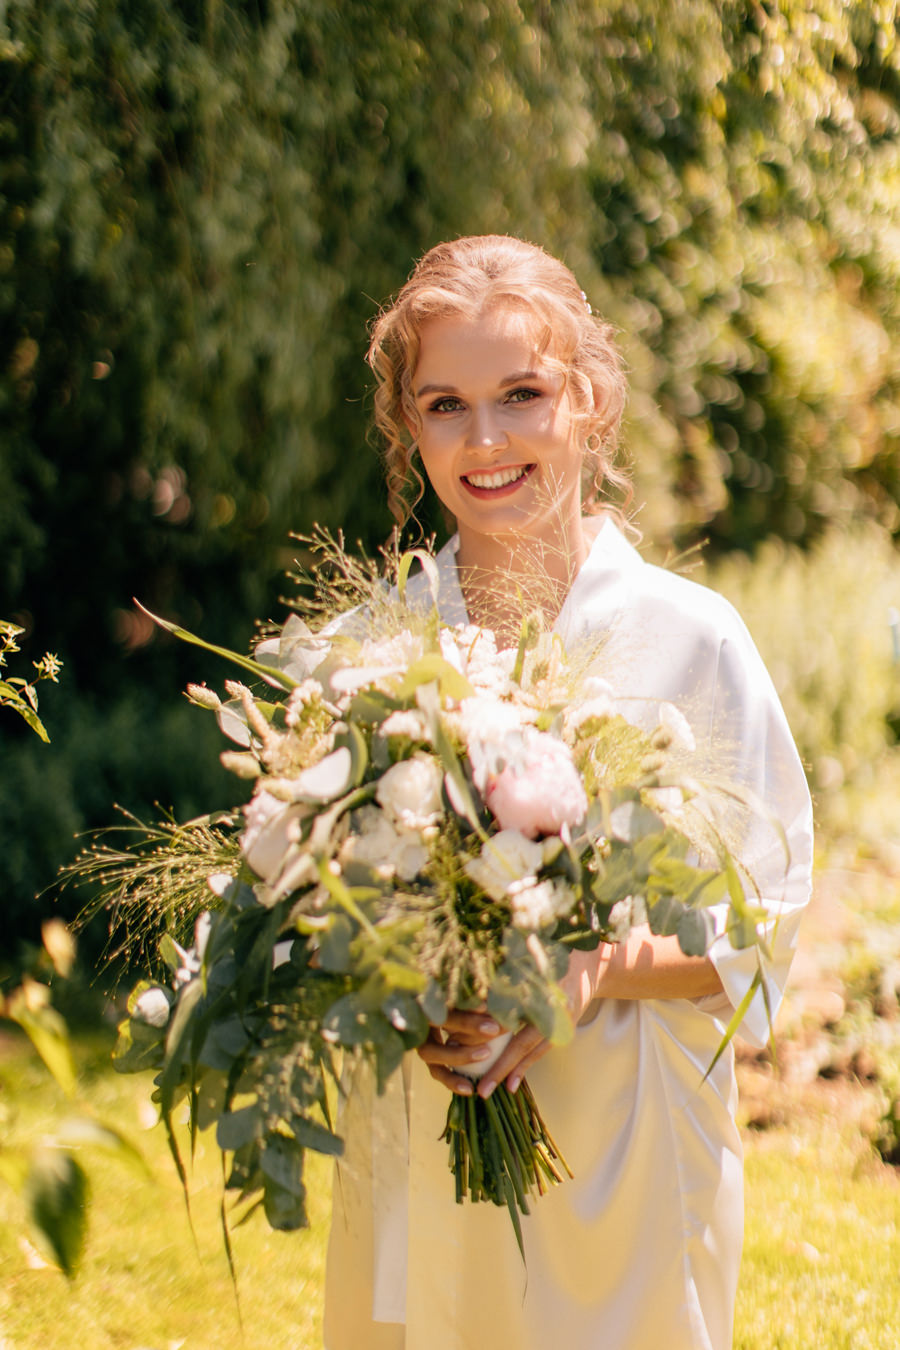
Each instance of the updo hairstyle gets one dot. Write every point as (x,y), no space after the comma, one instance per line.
(463,278)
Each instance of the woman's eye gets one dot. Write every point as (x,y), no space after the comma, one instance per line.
(444,405)
(523,395)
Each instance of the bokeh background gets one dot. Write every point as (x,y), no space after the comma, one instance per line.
(203,203)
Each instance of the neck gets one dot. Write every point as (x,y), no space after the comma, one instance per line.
(505,577)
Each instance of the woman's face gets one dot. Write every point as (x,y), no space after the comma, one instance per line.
(497,434)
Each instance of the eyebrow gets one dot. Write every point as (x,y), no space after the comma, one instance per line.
(517,378)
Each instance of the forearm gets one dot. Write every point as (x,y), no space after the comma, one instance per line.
(644,966)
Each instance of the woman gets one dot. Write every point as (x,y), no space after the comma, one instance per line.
(492,369)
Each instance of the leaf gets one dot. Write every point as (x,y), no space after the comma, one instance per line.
(47,1032)
(138,1048)
(180,1028)
(347,1020)
(334,944)
(429,567)
(428,701)
(665,914)
(434,668)
(434,1004)
(736,1020)
(632,821)
(278,678)
(11,698)
(56,1195)
(695,929)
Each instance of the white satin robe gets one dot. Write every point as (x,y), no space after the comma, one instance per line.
(641,1251)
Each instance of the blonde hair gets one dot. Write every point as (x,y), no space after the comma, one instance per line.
(464,278)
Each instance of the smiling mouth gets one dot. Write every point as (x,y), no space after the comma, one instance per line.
(499,481)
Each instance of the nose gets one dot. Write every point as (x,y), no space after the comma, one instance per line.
(485,432)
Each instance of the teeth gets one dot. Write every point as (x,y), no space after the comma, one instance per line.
(495,480)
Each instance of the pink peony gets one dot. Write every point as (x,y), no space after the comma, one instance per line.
(538,789)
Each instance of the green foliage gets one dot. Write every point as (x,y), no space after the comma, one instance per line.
(18,693)
(52,1181)
(822,621)
(201,207)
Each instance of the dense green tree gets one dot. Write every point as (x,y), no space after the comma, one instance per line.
(202,203)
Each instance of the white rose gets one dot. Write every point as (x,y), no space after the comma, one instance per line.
(506,858)
(153,1007)
(410,792)
(535,906)
(377,844)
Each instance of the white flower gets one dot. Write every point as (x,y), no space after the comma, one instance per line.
(153,1007)
(678,727)
(272,827)
(540,903)
(310,691)
(473,652)
(597,709)
(376,661)
(483,721)
(505,859)
(405,722)
(410,792)
(377,844)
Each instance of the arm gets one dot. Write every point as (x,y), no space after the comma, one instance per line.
(644,966)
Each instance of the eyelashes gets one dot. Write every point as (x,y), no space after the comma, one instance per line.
(449,403)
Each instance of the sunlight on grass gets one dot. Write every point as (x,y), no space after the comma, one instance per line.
(143,1283)
(822,1246)
(820,1265)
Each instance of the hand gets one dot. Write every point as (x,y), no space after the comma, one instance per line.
(462,1039)
(528,1045)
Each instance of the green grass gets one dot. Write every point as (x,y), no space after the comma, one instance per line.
(821,1258)
(822,1246)
(143,1285)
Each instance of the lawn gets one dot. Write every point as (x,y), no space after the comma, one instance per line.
(820,1268)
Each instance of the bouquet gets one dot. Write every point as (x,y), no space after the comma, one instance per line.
(433,823)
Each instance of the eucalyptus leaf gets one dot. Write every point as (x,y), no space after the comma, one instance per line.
(334,943)
(695,929)
(139,1047)
(631,821)
(433,1003)
(665,913)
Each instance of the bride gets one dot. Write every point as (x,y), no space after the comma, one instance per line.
(494,375)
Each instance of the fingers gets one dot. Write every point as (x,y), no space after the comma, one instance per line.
(525,1049)
(443,1056)
(470,1028)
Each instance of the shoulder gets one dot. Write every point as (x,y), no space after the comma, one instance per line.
(618,589)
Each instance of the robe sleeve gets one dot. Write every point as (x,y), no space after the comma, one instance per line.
(772,839)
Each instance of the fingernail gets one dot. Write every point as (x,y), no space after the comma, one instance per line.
(513,1082)
(480,1052)
(485,1089)
(489,1027)
(463,1088)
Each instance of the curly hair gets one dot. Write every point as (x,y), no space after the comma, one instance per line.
(463,278)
